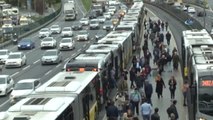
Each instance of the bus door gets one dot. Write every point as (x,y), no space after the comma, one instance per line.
(121,58)
(116,67)
(85,102)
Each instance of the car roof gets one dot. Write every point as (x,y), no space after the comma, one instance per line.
(27,80)
(3,76)
(4,50)
(55,26)
(67,27)
(66,38)
(44,28)
(12,53)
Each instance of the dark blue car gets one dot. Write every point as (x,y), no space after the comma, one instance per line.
(26,44)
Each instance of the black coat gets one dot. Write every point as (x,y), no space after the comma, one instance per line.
(112,111)
(159,86)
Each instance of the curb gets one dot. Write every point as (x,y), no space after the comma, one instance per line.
(7,43)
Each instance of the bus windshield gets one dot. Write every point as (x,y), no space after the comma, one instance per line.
(205,95)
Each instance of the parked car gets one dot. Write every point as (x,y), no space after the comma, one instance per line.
(51,57)
(4,53)
(6,84)
(94,24)
(55,29)
(77,25)
(44,32)
(26,43)
(67,44)
(48,42)
(67,32)
(23,88)
(16,59)
(84,21)
(100,34)
(83,35)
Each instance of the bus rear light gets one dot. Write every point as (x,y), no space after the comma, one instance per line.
(81,69)
(68,69)
(101,91)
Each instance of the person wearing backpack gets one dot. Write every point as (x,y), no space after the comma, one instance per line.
(135,98)
(173,110)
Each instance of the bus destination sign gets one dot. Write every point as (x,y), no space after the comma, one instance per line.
(206,83)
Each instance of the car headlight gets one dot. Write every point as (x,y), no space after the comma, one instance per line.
(28,45)
(104,27)
(54,59)
(19,45)
(202,118)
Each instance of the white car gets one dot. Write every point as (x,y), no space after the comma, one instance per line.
(101,19)
(67,31)
(55,29)
(113,2)
(107,15)
(84,21)
(48,42)
(23,88)
(51,57)
(112,10)
(4,53)
(6,84)
(44,32)
(83,35)
(94,24)
(191,10)
(67,44)
(16,59)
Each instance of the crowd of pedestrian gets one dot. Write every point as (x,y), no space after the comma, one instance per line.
(129,106)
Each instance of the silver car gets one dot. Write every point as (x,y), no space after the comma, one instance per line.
(67,44)
(84,21)
(51,57)
(6,84)
(4,55)
(44,32)
(48,42)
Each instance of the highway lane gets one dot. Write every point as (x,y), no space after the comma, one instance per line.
(33,69)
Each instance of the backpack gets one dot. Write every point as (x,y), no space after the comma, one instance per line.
(169,110)
(135,97)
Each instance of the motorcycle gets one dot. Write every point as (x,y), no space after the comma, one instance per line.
(15,39)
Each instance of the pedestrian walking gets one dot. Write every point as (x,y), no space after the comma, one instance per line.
(112,111)
(134,61)
(132,75)
(145,11)
(166,25)
(156,54)
(135,98)
(112,78)
(174,50)
(123,86)
(185,91)
(147,56)
(128,115)
(119,102)
(175,60)
(161,37)
(155,115)
(172,86)
(162,26)
(161,62)
(146,110)
(148,89)
(168,37)
(173,110)
(159,86)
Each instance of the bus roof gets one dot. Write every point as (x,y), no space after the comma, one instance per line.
(102,48)
(68,82)
(202,49)
(90,56)
(196,40)
(195,32)
(38,108)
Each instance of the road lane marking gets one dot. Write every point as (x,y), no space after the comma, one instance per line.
(36,61)
(79,8)
(66,59)
(5,103)
(58,65)
(73,54)
(84,45)
(79,50)
(26,67)
(48,72)
(14,74)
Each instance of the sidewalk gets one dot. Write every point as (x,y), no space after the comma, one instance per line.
(165,102)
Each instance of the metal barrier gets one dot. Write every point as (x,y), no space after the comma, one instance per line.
(177,13)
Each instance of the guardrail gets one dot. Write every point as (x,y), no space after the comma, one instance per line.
(24,31)
(177,13)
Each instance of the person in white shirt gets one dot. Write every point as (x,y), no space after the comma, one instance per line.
(146,110)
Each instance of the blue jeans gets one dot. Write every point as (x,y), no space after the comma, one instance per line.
(146,117)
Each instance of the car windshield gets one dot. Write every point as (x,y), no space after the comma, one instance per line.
(2,80)
(50,53)
(25,40)
(23,86)
(108,23)
(205,95)
(3,52)
(66,29)
(93,22)
(83,32)
(47,39)
(14,56)
(65,41)
(55,26)
(84,19)
(44,30)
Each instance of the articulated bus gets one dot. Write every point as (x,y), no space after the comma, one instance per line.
(66,96)
(197,53)
(124,39)
(94,62)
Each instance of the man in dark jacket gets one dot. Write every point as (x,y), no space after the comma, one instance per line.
(173,110)
(161,37)
(155,115)
(168,38)
(148,89)
(112,111)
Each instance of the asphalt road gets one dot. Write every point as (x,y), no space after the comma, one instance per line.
(34,69)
